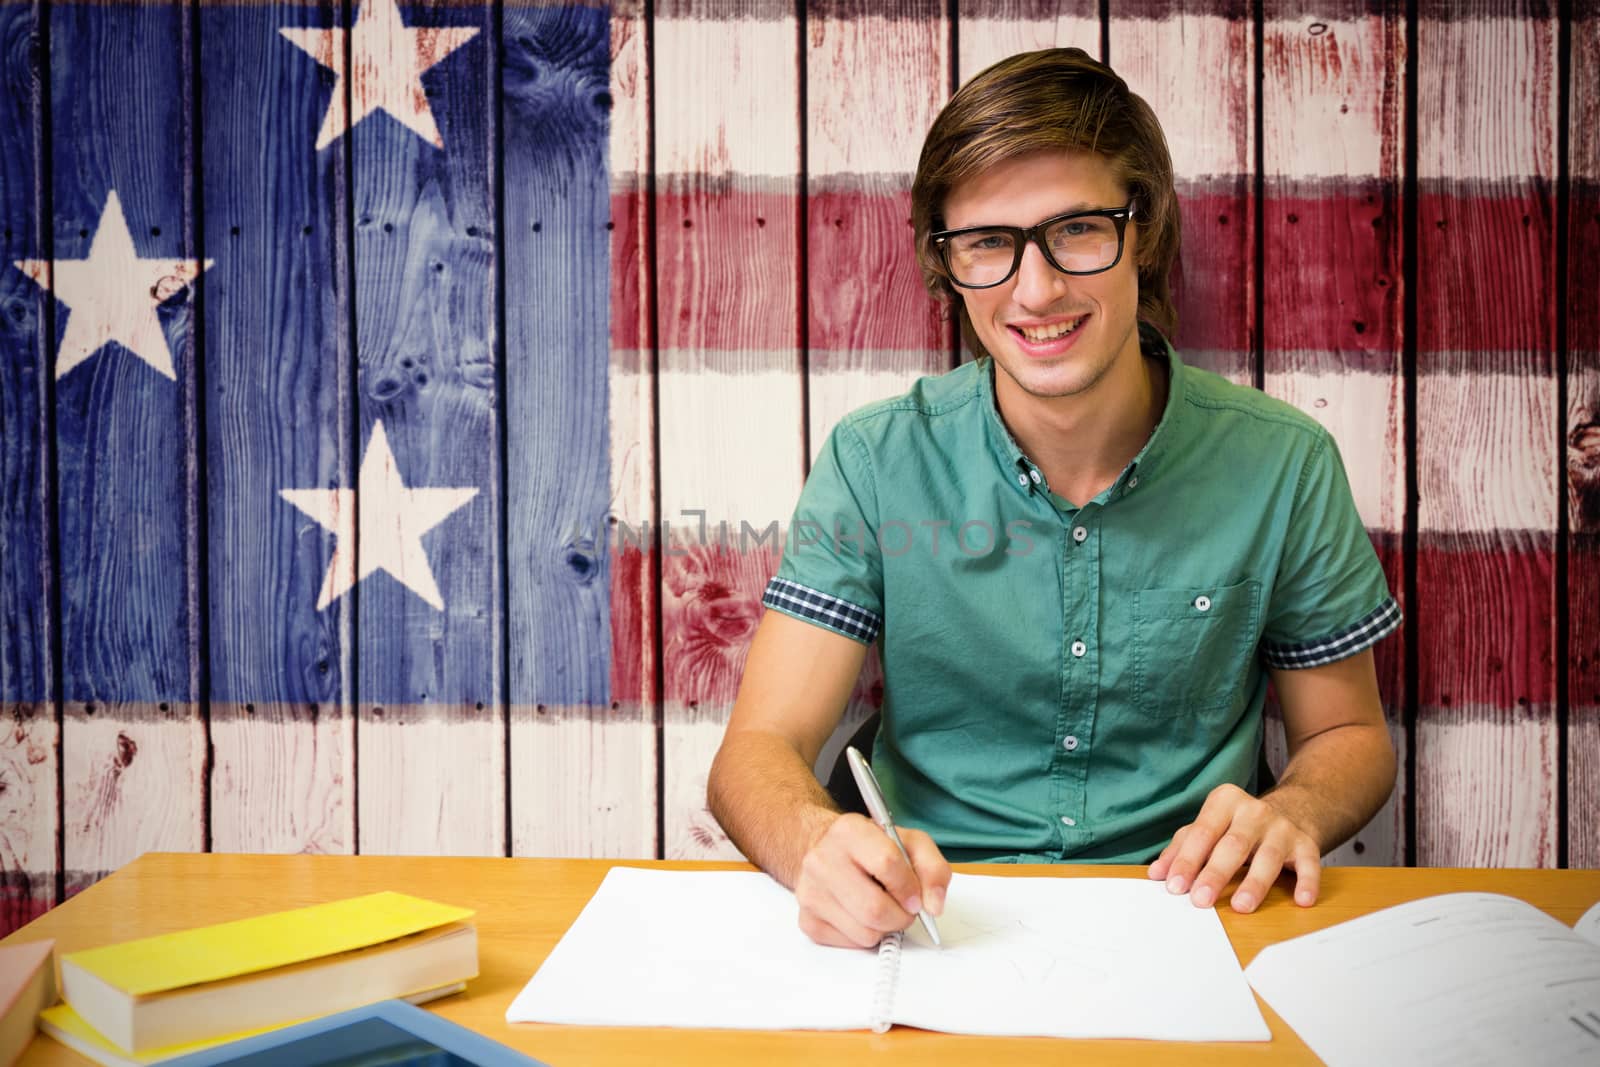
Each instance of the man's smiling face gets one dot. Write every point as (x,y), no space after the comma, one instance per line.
(1053,334)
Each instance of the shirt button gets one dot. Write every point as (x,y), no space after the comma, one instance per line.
(1069,743)
(1202,603)
(1079,534)
(1022,480)
(1079,648)
(1069,820)
(1133,483)
(1035,476)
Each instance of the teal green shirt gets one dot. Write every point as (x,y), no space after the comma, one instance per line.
(1064,682)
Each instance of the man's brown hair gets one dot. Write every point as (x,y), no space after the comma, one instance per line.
(1058,99)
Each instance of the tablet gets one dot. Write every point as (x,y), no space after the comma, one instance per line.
(390,1033)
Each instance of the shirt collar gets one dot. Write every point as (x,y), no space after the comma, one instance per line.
(1020,470)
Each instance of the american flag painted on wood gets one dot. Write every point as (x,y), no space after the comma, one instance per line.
(403,403)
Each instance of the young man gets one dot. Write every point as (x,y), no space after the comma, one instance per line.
(1083,558)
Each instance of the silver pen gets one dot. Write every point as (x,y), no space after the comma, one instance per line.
(867,782)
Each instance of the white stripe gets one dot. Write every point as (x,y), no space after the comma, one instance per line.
(730,445)
(630,104)
(1584,147)
(1208,122)
(1486,104)
(632,438)
(1324,99)
(1486,452)
(1365,413)
(730,92)
(874,87)
(985,41)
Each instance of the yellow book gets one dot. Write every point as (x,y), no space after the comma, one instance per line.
(69,1028)
(217,981)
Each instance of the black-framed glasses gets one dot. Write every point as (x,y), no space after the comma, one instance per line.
(1080,242)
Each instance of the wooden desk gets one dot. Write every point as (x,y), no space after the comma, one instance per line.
(524,906)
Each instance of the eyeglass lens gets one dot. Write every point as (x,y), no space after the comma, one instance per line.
(1081,245)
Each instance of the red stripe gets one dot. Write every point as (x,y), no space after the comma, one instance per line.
(728,277)
(631,331)
(632,607)
(1583,265)
(1212,280)
(1486,275)
(20,905)
(728,270)
(1332,273)
(1485,622)
(866,291)
(711,602)
(1583,635)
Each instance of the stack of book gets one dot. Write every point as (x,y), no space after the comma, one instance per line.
(144,1001)
(27,987)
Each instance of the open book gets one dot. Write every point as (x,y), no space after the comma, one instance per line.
(1052,957)
(1453,979)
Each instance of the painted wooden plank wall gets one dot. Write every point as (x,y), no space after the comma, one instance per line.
(1486,768)
(1333,101)
(30,816)
(583,687)
(133,740)
(282,735)
(599,271)
(1582,439)
(731,398)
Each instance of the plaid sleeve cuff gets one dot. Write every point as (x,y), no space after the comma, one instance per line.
(1365,633)
(812,605)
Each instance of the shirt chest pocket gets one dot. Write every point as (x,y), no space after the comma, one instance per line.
(1192,647)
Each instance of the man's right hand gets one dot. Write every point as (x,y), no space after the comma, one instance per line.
(854,887)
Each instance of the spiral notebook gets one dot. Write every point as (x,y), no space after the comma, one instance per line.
(1049,957)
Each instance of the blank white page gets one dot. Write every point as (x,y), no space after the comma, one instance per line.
(714,949)
(1076,957)
(1464,978)
(1588,927)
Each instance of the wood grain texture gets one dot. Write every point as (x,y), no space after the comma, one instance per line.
(281,727)
(30,817)
(1484,135)
(1583,447)
(121,121)
(585,782)
(634,624)
(1211,135)
(991,30)
(426,350)
(1583,716)
(130,773)
(584,774)
(1486,787)
(30,825)
(874,86)
(282,777)
(731,435)
(1486,425)
(1333,139)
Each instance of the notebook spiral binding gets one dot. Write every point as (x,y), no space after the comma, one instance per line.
(888,975)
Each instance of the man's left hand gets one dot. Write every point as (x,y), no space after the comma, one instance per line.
(1234,827)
